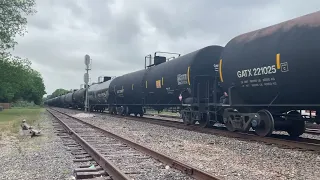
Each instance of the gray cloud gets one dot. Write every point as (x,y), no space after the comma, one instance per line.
(118,34)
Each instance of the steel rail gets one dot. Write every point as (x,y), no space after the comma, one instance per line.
(309,128)
(301,143)
(163,115)
(113,171)
(191,171)
(313,131)
(245,136)
(279,140)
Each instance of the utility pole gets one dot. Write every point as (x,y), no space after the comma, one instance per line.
(87,62)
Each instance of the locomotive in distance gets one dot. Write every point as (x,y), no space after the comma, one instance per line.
(260,80)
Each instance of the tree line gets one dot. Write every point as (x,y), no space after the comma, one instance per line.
(58,92)
(18,81)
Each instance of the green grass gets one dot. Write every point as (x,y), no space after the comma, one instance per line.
(11,119)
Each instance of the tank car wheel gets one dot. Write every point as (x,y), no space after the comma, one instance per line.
(266,126)
(114,109)
(126,111)
(297,127)
(111,110)
(120,110)
(186,117)
(229,125)
(227,118)
(204,122)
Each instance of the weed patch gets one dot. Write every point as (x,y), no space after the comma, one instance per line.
(11,119)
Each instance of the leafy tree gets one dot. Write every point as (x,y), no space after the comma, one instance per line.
(19,81)
(13,21)
(59,92)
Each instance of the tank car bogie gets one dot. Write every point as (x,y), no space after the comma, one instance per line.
(126,110)
(97,108)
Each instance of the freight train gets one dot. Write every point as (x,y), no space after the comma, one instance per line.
(260,80)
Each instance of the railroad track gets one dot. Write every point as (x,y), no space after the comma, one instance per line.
(313,131)
(119,158)
(282,141)
(161,115)
(309,129)
(87,168)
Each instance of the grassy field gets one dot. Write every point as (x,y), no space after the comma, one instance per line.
(11,119)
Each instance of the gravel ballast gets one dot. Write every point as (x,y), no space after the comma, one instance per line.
(41,157)
(224,157)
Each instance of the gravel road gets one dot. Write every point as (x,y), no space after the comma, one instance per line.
(224,157)
(42,157)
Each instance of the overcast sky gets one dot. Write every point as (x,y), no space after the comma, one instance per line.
(117,34)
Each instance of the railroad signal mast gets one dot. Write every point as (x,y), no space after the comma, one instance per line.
(87,62)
